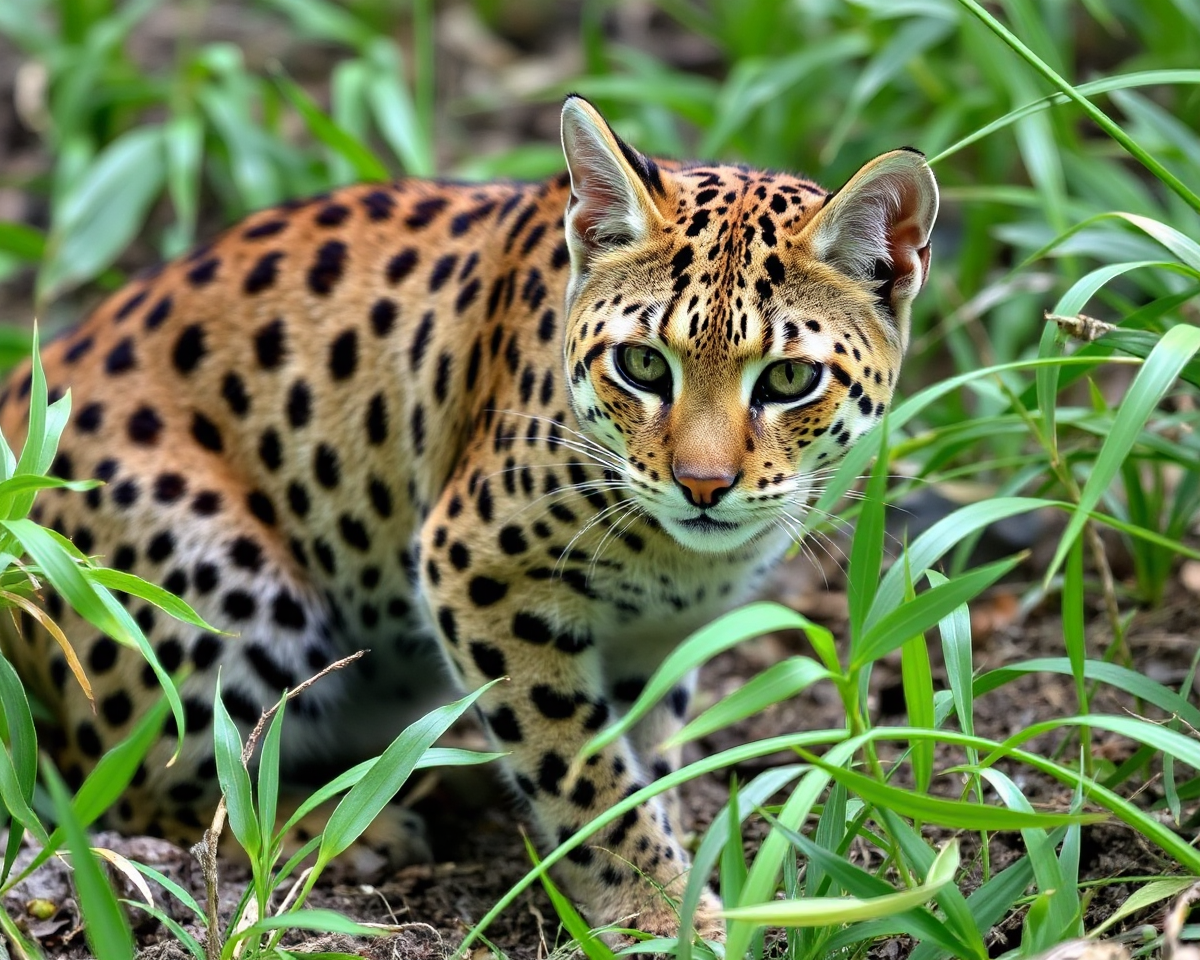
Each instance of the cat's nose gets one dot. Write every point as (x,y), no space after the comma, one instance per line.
(705,491)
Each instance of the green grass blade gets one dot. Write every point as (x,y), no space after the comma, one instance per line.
(866,550)
(822,911)
(268,776)
(106,928)
(21,737)
(917,616)
(1098,116)
(1144,78)
(592,946)
(386,776)
(722,634)
(1156,377)
(366,166)
(190,943)
(947,813)
(135,586)
(917,679)
(234,778)
(780,681)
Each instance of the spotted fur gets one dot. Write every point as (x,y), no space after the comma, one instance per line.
(395,417)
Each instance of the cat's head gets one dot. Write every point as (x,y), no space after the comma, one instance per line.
(730,331)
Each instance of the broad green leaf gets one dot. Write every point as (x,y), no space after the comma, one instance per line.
(321,921)
(135,586)
(107,930)
(268,775)
(104,212)
(1156,891)
(235,779)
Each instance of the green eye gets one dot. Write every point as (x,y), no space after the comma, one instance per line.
(645,368)
(786,381)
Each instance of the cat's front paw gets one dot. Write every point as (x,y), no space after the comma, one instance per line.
(660,918)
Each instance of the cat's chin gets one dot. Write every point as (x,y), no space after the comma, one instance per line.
(704,534)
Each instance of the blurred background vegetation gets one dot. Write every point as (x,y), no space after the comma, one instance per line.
(129,129)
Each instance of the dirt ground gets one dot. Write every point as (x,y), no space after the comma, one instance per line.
(476,832)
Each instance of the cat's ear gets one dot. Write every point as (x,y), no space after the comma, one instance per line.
(612,184)
(876,228)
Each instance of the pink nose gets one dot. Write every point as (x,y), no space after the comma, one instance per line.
(705,491)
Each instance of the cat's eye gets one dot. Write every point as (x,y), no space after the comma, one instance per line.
(645,368)
(786,382)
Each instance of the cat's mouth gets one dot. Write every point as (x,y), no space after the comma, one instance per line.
(702,523)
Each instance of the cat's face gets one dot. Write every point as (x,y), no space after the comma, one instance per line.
(730,331)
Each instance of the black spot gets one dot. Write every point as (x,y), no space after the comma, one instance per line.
(89,419)
(551,771)
(629,689)
(505,725)
(262,275)
(266,229)
(381,497)
(130,305)
(87,740)
(298,499)
(421,340)
(260,506)
(233,389)
(240,706)
(332,215)
(206,577)
(531,628)
(158,315)
(512,540)
(484,591)
(378,204)
(401,265)
(343,355)
(77,350)
(299,404)
(448,624)
(125,493)
(169,487)
(354,533)
(269,449)
(583,794)
(377,420)
(442,271)
(144,426)
(206,433)
(161,546)
(327,269)
(117,708)
(287,612)
(418,429)
(271,673)
(206,503)
(269,345)
(103,655)
(205,650)
(678,699)
(189,348)
(423,212)
(383,316)
(466,296)
(204,272)
(175,582)
(325,555)
(325,466)
(238,605)
(246,553)
(488,659)
(121,357)
(551,703)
